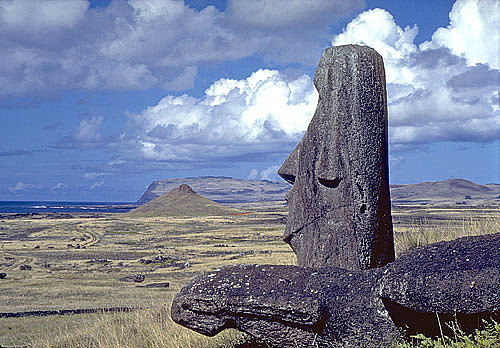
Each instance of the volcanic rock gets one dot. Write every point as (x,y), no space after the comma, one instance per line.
(288,306)
(339,205)
(139,278)
(457,281)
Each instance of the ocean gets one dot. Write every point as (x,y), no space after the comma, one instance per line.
(23,207)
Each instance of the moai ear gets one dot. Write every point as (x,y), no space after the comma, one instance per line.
(288,170)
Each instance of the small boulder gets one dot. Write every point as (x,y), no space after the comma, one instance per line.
(139,278)
(25,268)
(3,275)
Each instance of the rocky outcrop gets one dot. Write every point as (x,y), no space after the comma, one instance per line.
(339,205)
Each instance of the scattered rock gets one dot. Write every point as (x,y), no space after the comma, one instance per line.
(25,268)
(339,205)
(242,254)
(99,261)
(3,275)
(157,259)
(155,285)
(139,278)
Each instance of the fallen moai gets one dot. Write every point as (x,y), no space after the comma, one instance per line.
(422,291)
(348,290)
(340,208)
(459,280)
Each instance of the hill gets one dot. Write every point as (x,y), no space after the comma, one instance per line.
(181,201)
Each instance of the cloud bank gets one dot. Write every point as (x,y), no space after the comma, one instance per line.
(52,45)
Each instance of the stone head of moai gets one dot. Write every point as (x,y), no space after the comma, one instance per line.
(339,205)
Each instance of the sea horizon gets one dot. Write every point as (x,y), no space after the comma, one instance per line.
(48,206)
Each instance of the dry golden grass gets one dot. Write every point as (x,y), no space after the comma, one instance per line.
(107,248)
(149,326)
(79,277)
(416,227)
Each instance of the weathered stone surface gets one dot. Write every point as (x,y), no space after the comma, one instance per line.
(288,306)
(339,205)
(457,280)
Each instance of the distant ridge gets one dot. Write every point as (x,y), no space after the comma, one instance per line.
(222,189)
(230,190)
(181,201)
(448,191)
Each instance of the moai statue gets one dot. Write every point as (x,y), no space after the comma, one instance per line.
(351,294)
(339,205)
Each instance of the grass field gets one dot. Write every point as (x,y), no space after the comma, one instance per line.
(92,262)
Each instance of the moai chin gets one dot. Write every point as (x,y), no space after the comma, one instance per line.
(339,205)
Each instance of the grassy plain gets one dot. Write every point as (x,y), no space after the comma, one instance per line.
(90,261)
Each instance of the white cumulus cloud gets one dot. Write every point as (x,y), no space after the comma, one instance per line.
(442,90)
(252,175)
(260,116)
(271,173)
(473,32)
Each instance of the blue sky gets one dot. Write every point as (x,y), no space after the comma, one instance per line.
(99,98)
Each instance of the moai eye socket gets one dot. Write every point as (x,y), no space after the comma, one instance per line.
(289,178)
(330,183)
